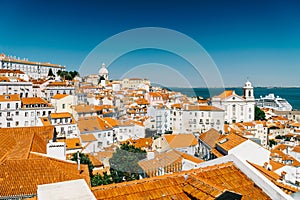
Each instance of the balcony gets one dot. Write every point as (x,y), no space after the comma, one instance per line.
(9,118)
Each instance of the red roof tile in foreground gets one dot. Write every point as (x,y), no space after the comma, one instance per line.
(16,143)
(22,176)
(204,183)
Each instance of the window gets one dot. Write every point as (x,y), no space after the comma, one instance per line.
(0,114)
(17,123)
(32,114)
(8,114)
(8,124)
(17,105)
(8,105)
(63,106)
(26,114)
(108,134)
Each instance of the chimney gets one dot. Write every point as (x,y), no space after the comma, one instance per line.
(265,165)
(78,162)
(282,177)
(54,135)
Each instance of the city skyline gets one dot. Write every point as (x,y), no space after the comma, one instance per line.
(256,39)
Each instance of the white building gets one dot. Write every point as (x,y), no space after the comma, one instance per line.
(36,70)
(14,73)
(14,85)
(162,118)
(102,130)
(64,124)
(135,83)
(196,118)
(237,108)
(63,102)
(186,143)
(54,88)
(17,112)
(103,75)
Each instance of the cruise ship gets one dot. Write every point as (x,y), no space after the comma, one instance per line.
(276,103)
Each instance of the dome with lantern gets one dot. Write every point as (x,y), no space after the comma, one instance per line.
(103,72)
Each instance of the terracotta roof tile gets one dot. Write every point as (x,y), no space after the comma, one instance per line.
(225,94)
(181,140)
(276,165)
(16,143)
(71,143)
(210,137)
(33,100)
(230,141)
(203,108)
(9,97)
(204,183)
(92,124)
(59,96)
(88,137)
(60,115)
(22,176)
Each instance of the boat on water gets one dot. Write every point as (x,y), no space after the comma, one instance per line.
(275,103)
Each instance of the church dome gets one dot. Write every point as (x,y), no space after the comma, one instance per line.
(103,70)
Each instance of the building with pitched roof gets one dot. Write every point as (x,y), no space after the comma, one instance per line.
(64,122)
(101,129)
(36,70)
(168,162)
(63,102)
(207,142)
(15,85)
(24,164)
(186,143)
(56,87)
(237,108)
(22,112)
(189,118)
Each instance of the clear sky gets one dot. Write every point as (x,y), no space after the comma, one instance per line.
(259,39)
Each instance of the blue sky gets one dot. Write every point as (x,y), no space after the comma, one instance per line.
(255,39)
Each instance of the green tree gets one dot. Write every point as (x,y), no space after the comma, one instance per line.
(272,142)
(279,137)
(84,159)
(259,114)
(58,72)
(124,163)
(97,179)
(67,75)
(50,73)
